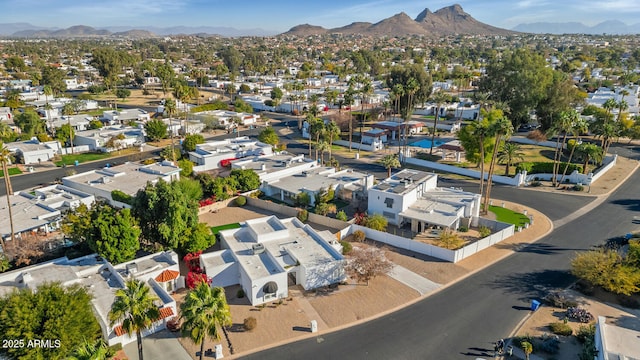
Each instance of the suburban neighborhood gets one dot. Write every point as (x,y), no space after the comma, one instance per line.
(384,190)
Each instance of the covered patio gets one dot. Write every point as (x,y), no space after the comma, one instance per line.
(426,215)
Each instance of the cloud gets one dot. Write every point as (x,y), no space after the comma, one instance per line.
(124,8)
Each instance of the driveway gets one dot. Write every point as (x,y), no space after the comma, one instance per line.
(161,345)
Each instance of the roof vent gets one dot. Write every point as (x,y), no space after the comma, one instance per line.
(132,268)
(257,249)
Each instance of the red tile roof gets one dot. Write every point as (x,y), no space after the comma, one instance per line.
(167,275)
(119,330)
(166,312)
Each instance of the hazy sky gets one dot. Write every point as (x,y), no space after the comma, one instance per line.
(280,15)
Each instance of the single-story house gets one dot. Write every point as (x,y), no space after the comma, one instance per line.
(99,139)
(265,254)
(209,155)
(33,151)
(275,166)
(123,117)
(397,129)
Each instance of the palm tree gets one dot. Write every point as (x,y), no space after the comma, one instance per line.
(88,350)
(366,90)
(411,88)
(348,101)
(622,105)
(397,92)
(609,105)
(527,348)
(439,98)
(562,126)
(323,147)
(317,129)
(509,154)
(48,92)
(588,152)
(578,127)
(204,312)
(500,127)
(134,307)
(5,159)
(170,109)
(390,161)
(331,132)
(481,132)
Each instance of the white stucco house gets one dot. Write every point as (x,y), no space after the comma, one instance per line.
(413,197)
(160,271)
(33,151)
(265,255)
(215,154)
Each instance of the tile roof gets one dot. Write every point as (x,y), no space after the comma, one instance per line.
(165,313)
(119,330)
(167,275)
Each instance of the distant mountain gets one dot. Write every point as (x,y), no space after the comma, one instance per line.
(448,20)
(606,27)
(28,30)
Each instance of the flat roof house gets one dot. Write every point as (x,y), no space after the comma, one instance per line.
(275,166)
(263,254)
(348,184)
(98,139)
(40,210)
(208,156)
(160,271)
(412,196)
(128,178)
(33,151)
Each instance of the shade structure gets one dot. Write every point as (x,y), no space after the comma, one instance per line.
(270,287)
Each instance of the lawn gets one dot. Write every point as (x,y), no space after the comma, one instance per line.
(81,158)
(12,171)
(509,216)
(216,229)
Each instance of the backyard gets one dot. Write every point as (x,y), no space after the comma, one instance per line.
(509,216)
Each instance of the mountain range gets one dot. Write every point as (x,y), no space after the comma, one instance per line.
(446,21)
(606,27)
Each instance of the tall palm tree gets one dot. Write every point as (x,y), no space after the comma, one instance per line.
(439,98)
(204,312)
(560,128)
(622,105)
(366,90)
(348,101)
(170,109)
(332,132)
(481,132)
(578,127)
(317,129)
(48,92)
(397,92)
(609,105)
(501,127)
(5,159)
(323,147)
(509,154)
(134,308)
(390,161)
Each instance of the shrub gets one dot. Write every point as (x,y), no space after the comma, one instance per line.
(241,201)
(484,231)
(463,229)
(358,236)
(250,323)
(560,328)
(122,197)
(256,194)
(578,187)
(240,294)
(341,215)
(545,167)
(586,332)
(303,215)
(346,247)
(113,349)
(376,222)
(450,240)
(148,161)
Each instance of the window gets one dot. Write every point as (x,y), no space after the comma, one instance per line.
(388,215)
(389,202)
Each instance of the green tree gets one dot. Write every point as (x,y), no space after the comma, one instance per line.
(156,129)
(123,93)
(276,96)
(190,141)
(589,152)
(509,154)
(204,313)
(519,78)
(401,75)
(325,208)
(95,124)
(376,222)
(166,75)
(268,136)
(49,312)
(186,167)
(135,310)
(247,179)
(560,96)
(389,162)
(111,233)
(578,126)
(302,199)
(331,133)
(169,218)
(54,77)
(30,123)
(65,134)
(91,350)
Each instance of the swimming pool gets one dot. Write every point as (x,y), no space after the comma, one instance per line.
(426,143)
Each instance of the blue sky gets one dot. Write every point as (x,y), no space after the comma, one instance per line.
(280,15)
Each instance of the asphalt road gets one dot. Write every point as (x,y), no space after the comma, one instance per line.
(462,321)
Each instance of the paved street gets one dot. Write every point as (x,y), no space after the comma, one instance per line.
(462,320)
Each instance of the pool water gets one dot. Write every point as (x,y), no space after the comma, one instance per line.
(426,143)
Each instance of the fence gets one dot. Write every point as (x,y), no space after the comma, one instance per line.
(216,206)
(505,180)
(501,231)
(76,149)
(272,207)
(577,178)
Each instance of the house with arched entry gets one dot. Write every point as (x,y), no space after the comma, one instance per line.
(266,255)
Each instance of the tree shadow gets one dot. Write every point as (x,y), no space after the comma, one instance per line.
(301,328)
(630,204)
(533,285)
(477,351)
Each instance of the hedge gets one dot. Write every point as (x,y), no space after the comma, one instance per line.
(545,167)
(120,196)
